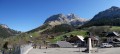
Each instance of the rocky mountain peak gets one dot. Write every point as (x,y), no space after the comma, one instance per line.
(71,16)
(108,13)
(56,17)
(4,26)
(113,8)
(70,19)
(61,15)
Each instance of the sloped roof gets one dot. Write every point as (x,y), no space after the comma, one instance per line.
(64,44)
(118,39)
(80,37)
(76,38)
(112,34)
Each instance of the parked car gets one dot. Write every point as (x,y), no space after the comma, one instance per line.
(106,45)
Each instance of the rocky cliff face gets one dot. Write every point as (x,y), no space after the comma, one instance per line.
(4,26)
(70,19)
(63,22)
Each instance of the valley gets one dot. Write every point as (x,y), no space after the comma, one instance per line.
(60,27)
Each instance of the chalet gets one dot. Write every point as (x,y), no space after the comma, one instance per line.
(77,40)
(113,37)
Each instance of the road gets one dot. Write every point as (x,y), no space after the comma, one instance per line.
(73,51)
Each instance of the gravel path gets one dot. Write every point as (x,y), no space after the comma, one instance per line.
(73,51)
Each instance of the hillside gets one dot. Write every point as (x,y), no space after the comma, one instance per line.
(110,17)
(40,28)
(59,23)
(5,31)
(60,37)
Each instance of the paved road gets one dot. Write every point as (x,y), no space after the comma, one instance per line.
(111,51)
(73,51)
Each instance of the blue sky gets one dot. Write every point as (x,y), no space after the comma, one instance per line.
(24,15)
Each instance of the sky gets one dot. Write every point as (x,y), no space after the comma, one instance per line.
(25,15)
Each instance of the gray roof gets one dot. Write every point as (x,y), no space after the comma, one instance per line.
(64,44)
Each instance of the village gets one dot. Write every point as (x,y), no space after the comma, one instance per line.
(79,44)
(60,27)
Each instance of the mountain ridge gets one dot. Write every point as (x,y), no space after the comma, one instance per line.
(5,31)
(59,24)
(113,11)
(109,17)
(70,19)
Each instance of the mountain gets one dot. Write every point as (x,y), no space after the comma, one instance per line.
(58,24)
(60,20)
(4,26)
(113,12)
(70,19)
(110,17)
(5,31)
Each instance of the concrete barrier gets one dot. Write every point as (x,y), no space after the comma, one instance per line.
(25,48)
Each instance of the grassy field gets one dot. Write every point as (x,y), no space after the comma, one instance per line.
(82,33)
(36,35)
(115,28)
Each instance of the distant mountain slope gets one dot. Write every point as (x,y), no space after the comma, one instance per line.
(59,23)
(42,27)
(113,12)
(110,16)
(5,31)
(59,29)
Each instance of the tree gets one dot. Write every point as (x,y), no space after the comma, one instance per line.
(65,37)
(97,30)
(5,46)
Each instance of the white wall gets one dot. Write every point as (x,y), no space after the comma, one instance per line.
(25,48)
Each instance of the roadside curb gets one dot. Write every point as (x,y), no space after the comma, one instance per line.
(28,50)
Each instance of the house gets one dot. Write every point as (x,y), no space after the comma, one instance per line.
(77,40)
(113,37)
